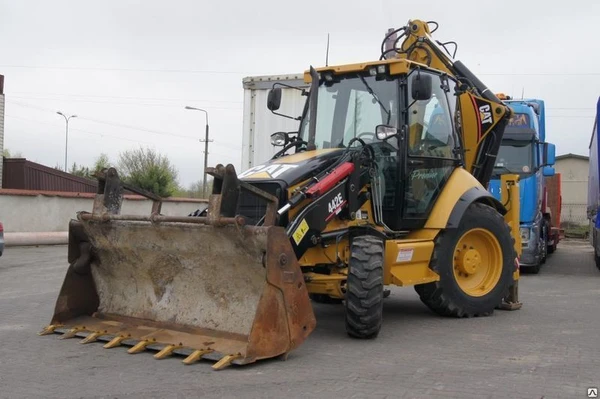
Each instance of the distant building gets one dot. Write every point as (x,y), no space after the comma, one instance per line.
(574,170)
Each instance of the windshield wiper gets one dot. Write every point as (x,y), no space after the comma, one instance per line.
(371,92)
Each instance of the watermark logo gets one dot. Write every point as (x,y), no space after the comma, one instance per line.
(592,392)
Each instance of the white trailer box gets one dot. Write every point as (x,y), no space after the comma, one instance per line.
(259,122)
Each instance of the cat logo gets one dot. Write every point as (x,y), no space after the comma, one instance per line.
(485,114)
(266,171)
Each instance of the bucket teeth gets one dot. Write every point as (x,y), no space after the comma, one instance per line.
(72,332)
(140,346)
(92,337)
(167,351)
(49,329)
(116,341)
(225,361)
(196,355)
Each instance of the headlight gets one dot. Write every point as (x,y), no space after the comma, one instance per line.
(279,139)
(524,233)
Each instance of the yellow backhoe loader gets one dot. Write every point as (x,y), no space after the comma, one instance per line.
(383,184)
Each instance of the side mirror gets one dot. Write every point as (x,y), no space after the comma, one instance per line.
(548,171)
(548,154)
(421,86)
(274,99)
(384,132)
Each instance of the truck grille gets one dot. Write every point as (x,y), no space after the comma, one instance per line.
(253,208)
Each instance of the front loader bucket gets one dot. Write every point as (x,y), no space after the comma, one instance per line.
(204,287)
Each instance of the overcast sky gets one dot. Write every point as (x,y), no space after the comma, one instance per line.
(128,68)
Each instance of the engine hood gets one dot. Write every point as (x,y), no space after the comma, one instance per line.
(292,169)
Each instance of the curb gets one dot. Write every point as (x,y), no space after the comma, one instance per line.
(43,238)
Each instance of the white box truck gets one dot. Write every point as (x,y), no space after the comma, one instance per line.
(259,122)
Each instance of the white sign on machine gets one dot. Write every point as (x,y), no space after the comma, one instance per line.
(405,255)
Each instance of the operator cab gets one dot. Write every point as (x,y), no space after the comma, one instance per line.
(408,120)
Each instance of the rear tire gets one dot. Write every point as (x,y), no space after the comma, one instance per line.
(471,282)
(364,296)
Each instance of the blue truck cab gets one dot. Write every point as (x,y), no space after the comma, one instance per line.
(524,152)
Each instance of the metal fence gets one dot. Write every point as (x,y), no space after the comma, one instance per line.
(573,216)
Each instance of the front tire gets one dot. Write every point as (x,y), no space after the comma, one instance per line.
(475,263)
(364,296)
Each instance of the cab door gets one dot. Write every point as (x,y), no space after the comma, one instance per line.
(431,150)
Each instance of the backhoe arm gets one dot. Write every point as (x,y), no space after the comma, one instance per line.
(482,117)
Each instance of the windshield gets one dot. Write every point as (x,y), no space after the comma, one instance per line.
(352,107)
(515,156)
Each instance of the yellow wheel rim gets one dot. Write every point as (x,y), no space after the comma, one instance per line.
(477,262)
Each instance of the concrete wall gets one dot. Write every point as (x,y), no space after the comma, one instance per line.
(574,185)
(46,215)
(574,177)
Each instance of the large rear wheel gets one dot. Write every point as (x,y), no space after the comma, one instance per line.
(364,296)
(475,263)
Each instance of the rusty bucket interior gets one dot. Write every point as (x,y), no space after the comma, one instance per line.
(204,287)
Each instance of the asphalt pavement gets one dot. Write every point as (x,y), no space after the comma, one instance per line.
(548,349)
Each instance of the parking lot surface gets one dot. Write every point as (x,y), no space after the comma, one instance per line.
(548,349)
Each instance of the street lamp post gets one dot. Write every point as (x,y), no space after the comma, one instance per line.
(66,135)
(205,147)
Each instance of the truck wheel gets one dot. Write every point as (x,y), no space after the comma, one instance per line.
(535,269)
(552,248)
(545,232)
(475,263)
(364,296)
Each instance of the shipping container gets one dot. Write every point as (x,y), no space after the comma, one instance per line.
(259,122)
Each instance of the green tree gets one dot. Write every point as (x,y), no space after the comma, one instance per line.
(81,171)
(148,170)
(194,190)
(7,154)
(101,162)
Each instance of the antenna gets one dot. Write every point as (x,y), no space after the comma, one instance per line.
(523,93)
(327,52)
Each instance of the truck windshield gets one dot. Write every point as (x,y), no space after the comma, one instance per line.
(352,107)
(515,156)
